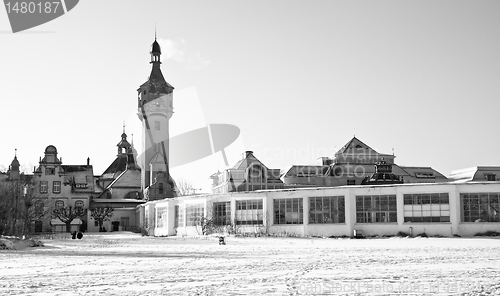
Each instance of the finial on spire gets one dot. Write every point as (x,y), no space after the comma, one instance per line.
(155,31)
(15,152)
(124,126)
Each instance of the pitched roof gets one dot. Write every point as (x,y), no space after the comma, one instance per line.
(354,144)
(127,179)
(247,161)
(118,165)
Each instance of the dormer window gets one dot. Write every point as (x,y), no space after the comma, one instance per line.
(491,177)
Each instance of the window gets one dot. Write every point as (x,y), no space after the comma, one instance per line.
(222,213)
(351,182)
(157,125)
(180,216)
(491,177)
(194,214)
(176,216)
(256,174)
(483,207)
(44,186)
(288,211)
(160,188)
(161,217)
(56,187)
(59,204)
(96,223)
(427,207)
(326,209)
(79,204)
(125,221)
(376,209)
(249,212)
(50,171)
(39,207)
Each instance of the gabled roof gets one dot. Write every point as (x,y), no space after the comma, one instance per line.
(157,159)
(355,145)
(247,161)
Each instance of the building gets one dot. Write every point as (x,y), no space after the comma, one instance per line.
(155,108)
(477,173)
(120,189)
(352,165)
(439,209)
(57,186)
(248,174)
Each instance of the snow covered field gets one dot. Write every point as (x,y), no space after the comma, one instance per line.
(128,264)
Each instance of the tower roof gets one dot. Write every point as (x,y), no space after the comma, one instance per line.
(156,82)
(50,150)
(15,162)
(123,143)
(155,47)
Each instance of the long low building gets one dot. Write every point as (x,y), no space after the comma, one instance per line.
(444,209)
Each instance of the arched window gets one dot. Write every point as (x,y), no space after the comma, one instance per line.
(78,204)
(59,204)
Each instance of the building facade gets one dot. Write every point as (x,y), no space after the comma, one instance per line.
(439,209)
(248,174)
(57,186)
(119,189)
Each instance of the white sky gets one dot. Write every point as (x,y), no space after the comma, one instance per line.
(298,78)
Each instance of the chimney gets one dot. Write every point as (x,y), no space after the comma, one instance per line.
(88,161)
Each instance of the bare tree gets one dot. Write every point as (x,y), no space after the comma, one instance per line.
(185,187)
(30,213)
(11,193)
(68,214)
(101,214)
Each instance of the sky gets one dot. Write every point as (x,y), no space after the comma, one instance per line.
(298,78)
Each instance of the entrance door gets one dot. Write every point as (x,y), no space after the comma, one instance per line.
(116,225)
(38,226)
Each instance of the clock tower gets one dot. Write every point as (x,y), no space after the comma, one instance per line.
(155,108)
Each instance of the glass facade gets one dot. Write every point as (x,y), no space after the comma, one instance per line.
(249,212)
(222,213)
(288,211)
(376,209)
(480,207)
(326,209)
(427,207)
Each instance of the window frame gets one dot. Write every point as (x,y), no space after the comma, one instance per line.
(376,208)
(431,207)
(327,209)
(288,211)
(44,187)
(54,183)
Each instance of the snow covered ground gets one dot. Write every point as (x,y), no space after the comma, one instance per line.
(128,264)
